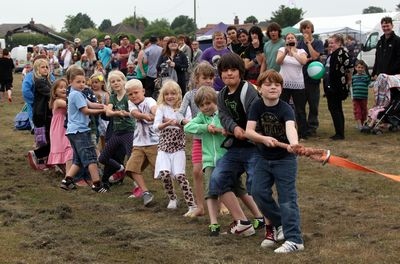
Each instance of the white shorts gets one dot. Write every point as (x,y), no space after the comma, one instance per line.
(175,163)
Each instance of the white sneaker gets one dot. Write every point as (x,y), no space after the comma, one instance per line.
(279,234)
(289,247)
(239,229)
(173,204)
(270,237)
(190,212)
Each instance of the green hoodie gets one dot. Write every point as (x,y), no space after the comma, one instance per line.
(210,143)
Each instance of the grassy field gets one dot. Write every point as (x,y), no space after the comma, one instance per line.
(347,216)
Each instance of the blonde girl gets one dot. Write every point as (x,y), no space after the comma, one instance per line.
(119,143)
(60,149)
(97,83)
(171,160)
(41,113)
(202,75)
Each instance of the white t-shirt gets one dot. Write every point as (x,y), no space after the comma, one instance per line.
(144,134)
(292,71)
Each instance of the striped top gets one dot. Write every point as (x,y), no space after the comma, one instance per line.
(359,85)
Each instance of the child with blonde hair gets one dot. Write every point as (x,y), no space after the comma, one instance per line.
(60,148)
(123,125)
(98,86)
(145,139)
(171,159)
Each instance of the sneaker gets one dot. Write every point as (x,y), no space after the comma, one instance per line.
(191,211)
(173,204)
(241,228)
(289,247)
(100,188)
(147,198)
(279,234)
(32,159)
(67,184)
(270,237)
(214,229)
(117,177)
(258,223)
(137,192)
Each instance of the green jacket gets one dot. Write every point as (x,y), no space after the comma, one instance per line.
(210,143)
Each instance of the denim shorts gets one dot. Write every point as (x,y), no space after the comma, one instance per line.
(84,149)
(227,173)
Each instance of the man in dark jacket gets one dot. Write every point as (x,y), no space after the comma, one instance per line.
(387,56)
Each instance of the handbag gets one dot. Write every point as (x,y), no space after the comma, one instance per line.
(40,136)
(21,120)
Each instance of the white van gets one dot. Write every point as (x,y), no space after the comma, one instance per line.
(19,56)
(367,53)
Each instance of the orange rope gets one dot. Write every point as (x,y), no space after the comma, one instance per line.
(324,157)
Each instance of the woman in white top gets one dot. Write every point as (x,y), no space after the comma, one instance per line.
(292,60)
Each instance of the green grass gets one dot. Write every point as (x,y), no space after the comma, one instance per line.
(347,216)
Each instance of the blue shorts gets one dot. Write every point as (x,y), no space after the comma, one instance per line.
(84,149)
(229,168)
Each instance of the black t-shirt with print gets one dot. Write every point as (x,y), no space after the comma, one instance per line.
(271,121)
(236,110)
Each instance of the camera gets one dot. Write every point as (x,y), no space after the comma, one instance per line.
(291,44)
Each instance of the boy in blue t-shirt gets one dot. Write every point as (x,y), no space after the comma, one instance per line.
(78,133)
(271,120)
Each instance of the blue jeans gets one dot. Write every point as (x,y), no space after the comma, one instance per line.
(283,173)
(226,175)
(84,149)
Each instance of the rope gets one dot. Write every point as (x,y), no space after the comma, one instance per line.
(324,156)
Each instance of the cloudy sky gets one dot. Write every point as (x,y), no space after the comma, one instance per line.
(53,13)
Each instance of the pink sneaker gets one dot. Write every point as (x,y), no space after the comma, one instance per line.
(117,177)
(137,192)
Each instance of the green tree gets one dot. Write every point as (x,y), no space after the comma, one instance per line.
(158,27)
(251,19)
(87,34)
(74,24)
(184,25)
(286,16)
(106,23)
(135,22)
(373,9)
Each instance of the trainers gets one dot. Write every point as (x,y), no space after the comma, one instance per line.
(67,184)
(137,192)
(117,177)
(99,188)
(258,223)
(173,204)
(32,159)
(147,198)
(214,229)
(191,211)
(241,228)
(270,237)
(279,234)
(289,247)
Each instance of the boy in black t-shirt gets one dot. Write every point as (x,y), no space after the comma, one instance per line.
(271,120)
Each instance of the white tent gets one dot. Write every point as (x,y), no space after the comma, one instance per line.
(361,23)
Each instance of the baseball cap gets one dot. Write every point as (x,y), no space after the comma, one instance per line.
(107,37)
(77,40)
